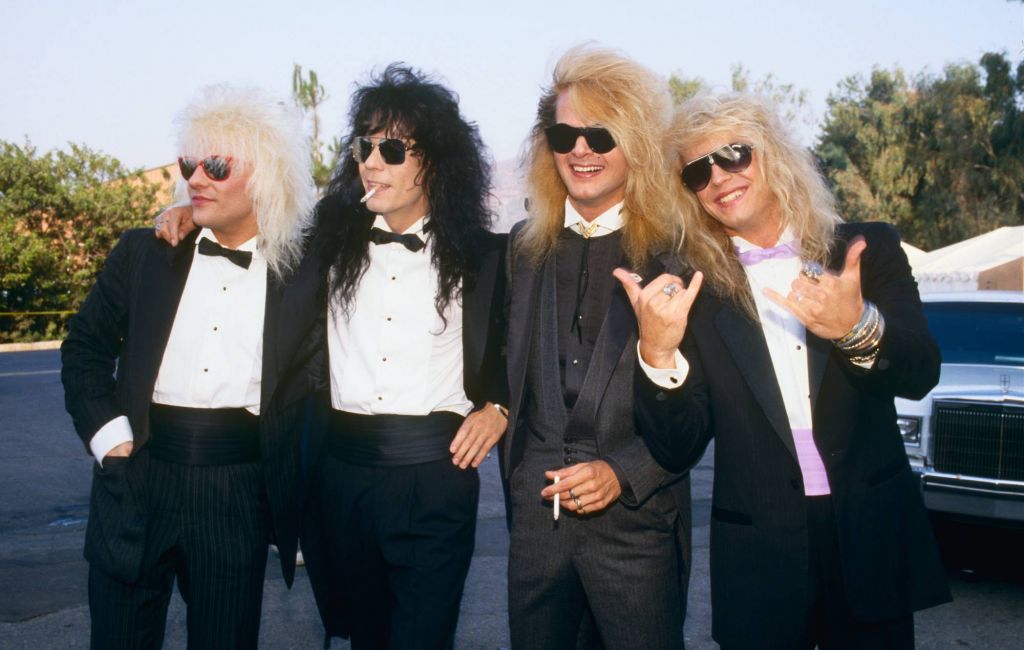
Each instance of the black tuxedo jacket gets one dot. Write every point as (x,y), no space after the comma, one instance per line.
(759,551)
(483,337)
(124,324)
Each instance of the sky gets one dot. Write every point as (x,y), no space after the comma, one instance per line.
(113,74)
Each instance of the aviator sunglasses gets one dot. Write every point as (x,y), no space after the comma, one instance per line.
(392,150)
(731,158)
(217,168)
(562,138)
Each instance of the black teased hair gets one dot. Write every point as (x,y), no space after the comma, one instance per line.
(456,176)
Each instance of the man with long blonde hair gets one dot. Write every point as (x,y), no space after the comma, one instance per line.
(597,525)
(196,436)
(805,331)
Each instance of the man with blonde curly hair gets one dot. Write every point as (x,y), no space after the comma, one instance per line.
(598,528)
(196,436)
(806,330)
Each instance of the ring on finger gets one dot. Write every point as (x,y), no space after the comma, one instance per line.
(799,298)
(576,500)
(812,271)
(670,289)
(572,494)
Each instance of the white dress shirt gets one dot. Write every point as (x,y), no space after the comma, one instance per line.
(214,355)
(393,353)
(787,345)
(606,223)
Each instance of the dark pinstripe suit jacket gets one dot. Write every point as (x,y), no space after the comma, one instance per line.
(124,324)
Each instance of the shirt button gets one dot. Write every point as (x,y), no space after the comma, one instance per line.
(206,370)
(223,288)
(215,328)
(575,361)
(394,277)
(384,359)
(380,398)
(387,318)
(799,348)
(674,380)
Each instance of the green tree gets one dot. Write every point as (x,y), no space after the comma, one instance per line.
(60,214)
(939,156)
(309,94)
(792,101)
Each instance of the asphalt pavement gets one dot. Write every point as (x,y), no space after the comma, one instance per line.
(44,496)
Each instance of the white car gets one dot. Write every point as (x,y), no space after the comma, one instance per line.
(966,437)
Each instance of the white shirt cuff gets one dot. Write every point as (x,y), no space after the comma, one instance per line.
(117,431)
(666,377)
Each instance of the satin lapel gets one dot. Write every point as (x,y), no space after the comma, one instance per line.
(292,308)
(618,327)
(476,316)
(162,278)
(818,351)
(271,370)
(746,343)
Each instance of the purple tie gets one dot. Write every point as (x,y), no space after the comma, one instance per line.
(756,255)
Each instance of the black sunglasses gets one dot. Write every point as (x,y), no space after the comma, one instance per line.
(731,158)
(217,168)
(562,138)
(392,150)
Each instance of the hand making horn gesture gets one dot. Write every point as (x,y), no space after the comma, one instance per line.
(828,305)
(662,309)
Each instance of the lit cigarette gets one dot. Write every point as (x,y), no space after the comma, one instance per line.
(554,508)
(369,195)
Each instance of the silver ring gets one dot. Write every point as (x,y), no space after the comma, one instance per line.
(812,271)
(799,298)
(670,289)
(576,500)
(572,495)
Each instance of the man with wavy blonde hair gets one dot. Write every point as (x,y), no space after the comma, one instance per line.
(597,525)
(807,329)
(196,437)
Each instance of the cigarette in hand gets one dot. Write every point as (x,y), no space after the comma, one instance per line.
(369,195)
(554,508)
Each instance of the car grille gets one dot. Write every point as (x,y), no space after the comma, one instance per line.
(984,440)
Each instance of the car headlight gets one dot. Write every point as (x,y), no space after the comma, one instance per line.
(910,430)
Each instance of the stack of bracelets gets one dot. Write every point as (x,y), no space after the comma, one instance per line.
(861,343)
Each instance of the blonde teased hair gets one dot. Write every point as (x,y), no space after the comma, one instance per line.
(266,136)
(786,168)
(606,89)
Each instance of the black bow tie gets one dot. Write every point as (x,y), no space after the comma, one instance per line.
(212,248)
(409,240)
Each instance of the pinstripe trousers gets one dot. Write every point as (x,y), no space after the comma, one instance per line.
(621,565)
(207,526)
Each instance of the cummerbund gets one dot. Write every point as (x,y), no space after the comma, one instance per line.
(391,440)
(197,436)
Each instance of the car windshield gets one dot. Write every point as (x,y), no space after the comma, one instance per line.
(978,332)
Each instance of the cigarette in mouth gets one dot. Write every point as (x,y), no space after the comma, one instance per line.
(369,195)
(554,508)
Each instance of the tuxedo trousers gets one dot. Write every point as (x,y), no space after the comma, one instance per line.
(399,541)
(830,624)
(208,527)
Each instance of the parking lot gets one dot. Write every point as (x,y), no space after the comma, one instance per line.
(44,488)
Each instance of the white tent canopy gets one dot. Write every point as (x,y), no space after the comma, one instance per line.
(994,260)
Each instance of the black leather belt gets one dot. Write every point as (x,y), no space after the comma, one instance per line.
(191,436)
(391,440)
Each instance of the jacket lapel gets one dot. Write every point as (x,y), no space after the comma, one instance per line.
(746,343)
(163,279)
(476,314)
